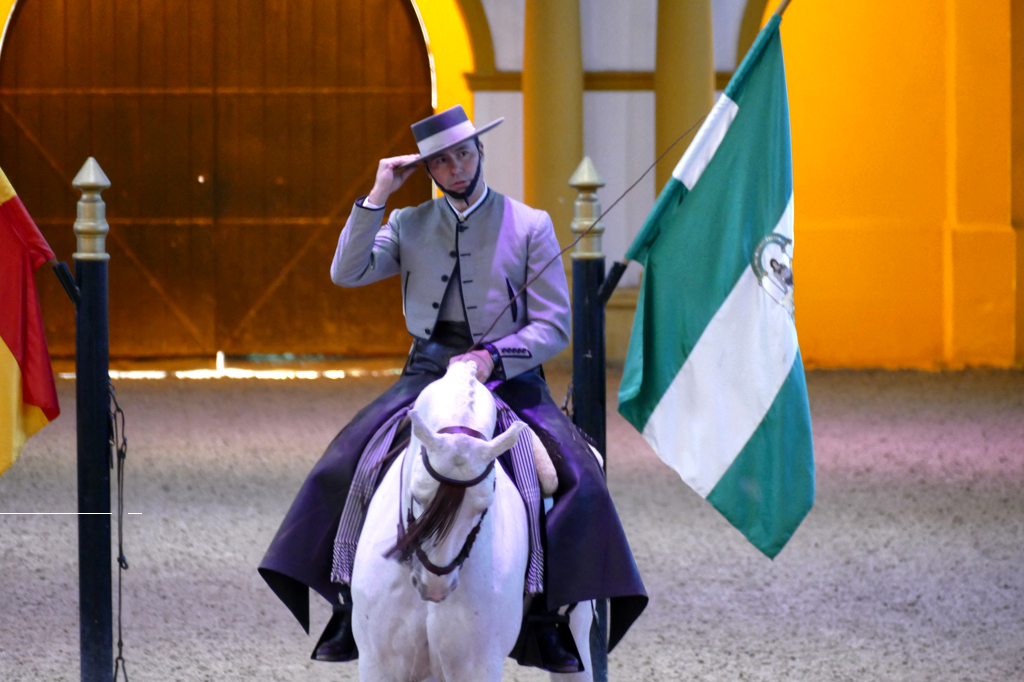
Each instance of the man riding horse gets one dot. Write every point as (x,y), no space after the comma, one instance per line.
(461,258)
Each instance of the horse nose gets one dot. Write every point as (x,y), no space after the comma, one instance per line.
(433,592)
(429,596)
(436,590)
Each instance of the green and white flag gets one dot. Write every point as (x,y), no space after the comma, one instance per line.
(713,378)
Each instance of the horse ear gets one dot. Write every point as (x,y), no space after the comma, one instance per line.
(504,441)
(422,431)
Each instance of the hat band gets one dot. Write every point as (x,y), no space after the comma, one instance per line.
(446,138)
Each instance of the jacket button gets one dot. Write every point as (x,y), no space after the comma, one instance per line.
(444,278)
(427,331)
(452,254)
(436,305)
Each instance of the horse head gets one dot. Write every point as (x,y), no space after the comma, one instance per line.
(452,480)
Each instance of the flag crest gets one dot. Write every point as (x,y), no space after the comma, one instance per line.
(713,376)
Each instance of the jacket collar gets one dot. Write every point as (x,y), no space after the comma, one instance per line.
(461,216)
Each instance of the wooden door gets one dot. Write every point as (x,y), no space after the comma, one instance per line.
(236,134)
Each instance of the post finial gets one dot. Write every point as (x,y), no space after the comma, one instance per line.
(91,175)
(586,210)
(91,226)
(586,175)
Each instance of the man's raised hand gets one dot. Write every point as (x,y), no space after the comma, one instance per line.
(389,178)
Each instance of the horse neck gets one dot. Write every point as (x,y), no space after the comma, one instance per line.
(502,547)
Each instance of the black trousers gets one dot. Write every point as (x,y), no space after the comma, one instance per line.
(586,552)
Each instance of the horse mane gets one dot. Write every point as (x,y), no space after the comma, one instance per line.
(435,523)
(464,400)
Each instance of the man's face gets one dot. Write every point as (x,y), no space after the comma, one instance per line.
(454,168)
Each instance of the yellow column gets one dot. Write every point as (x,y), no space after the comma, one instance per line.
(552,108)
(979,243)
(684,76)
(1017,165)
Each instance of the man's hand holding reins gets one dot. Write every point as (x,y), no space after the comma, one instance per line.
(480,358)
(390,178)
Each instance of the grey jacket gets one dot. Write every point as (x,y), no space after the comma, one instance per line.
(502,244)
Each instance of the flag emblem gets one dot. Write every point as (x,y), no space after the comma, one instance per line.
(772,262)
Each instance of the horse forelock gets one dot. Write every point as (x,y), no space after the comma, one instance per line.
(457,399)
(435,524)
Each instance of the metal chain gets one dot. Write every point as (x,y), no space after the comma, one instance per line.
(567,406)
(119,445)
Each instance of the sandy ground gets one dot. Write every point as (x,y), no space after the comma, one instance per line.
(909,567)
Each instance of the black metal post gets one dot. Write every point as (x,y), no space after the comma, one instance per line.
(588,385)
(588,361)
(93,395)
(93,420)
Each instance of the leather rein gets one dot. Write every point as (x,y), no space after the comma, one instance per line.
(467,546)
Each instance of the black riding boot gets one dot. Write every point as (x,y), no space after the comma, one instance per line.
(337,643)
(545,640)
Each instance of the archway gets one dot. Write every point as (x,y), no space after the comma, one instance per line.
(236,135)
(459,42)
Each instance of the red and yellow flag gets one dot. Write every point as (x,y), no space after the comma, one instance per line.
(28,395)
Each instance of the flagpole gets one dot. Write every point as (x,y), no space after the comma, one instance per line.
(612,281)
(781,8)
(619,267)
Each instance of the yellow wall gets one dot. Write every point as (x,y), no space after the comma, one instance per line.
(900,113)
(901,118)
(451,52)
(1017,158)
(6,10)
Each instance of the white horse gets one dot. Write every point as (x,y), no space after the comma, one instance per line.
(449,605)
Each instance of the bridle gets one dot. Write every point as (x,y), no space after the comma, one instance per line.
(467,546)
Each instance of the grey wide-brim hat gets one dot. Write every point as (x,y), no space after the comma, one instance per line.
(446,129)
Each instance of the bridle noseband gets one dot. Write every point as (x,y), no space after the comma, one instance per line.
(454,482)
(467,546)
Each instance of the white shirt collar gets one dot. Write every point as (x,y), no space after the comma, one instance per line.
(476,204)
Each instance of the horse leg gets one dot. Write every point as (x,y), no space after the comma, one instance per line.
(580,621)
(481,669)
(370,670)
(469,650)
